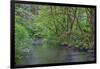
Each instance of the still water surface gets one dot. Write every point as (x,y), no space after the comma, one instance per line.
(41,53)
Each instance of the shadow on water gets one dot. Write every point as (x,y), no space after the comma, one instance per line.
(46,53)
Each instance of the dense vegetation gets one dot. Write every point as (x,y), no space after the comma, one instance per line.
(69,26)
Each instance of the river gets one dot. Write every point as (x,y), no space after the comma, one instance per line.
(42,53)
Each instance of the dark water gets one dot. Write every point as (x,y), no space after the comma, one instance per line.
(46,53)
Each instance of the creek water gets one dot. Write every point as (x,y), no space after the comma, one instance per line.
(41,53)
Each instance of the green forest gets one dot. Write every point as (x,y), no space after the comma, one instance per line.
(57,25)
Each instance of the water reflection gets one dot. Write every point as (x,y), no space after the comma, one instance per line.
(50,53)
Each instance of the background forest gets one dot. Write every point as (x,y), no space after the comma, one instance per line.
(58,25)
